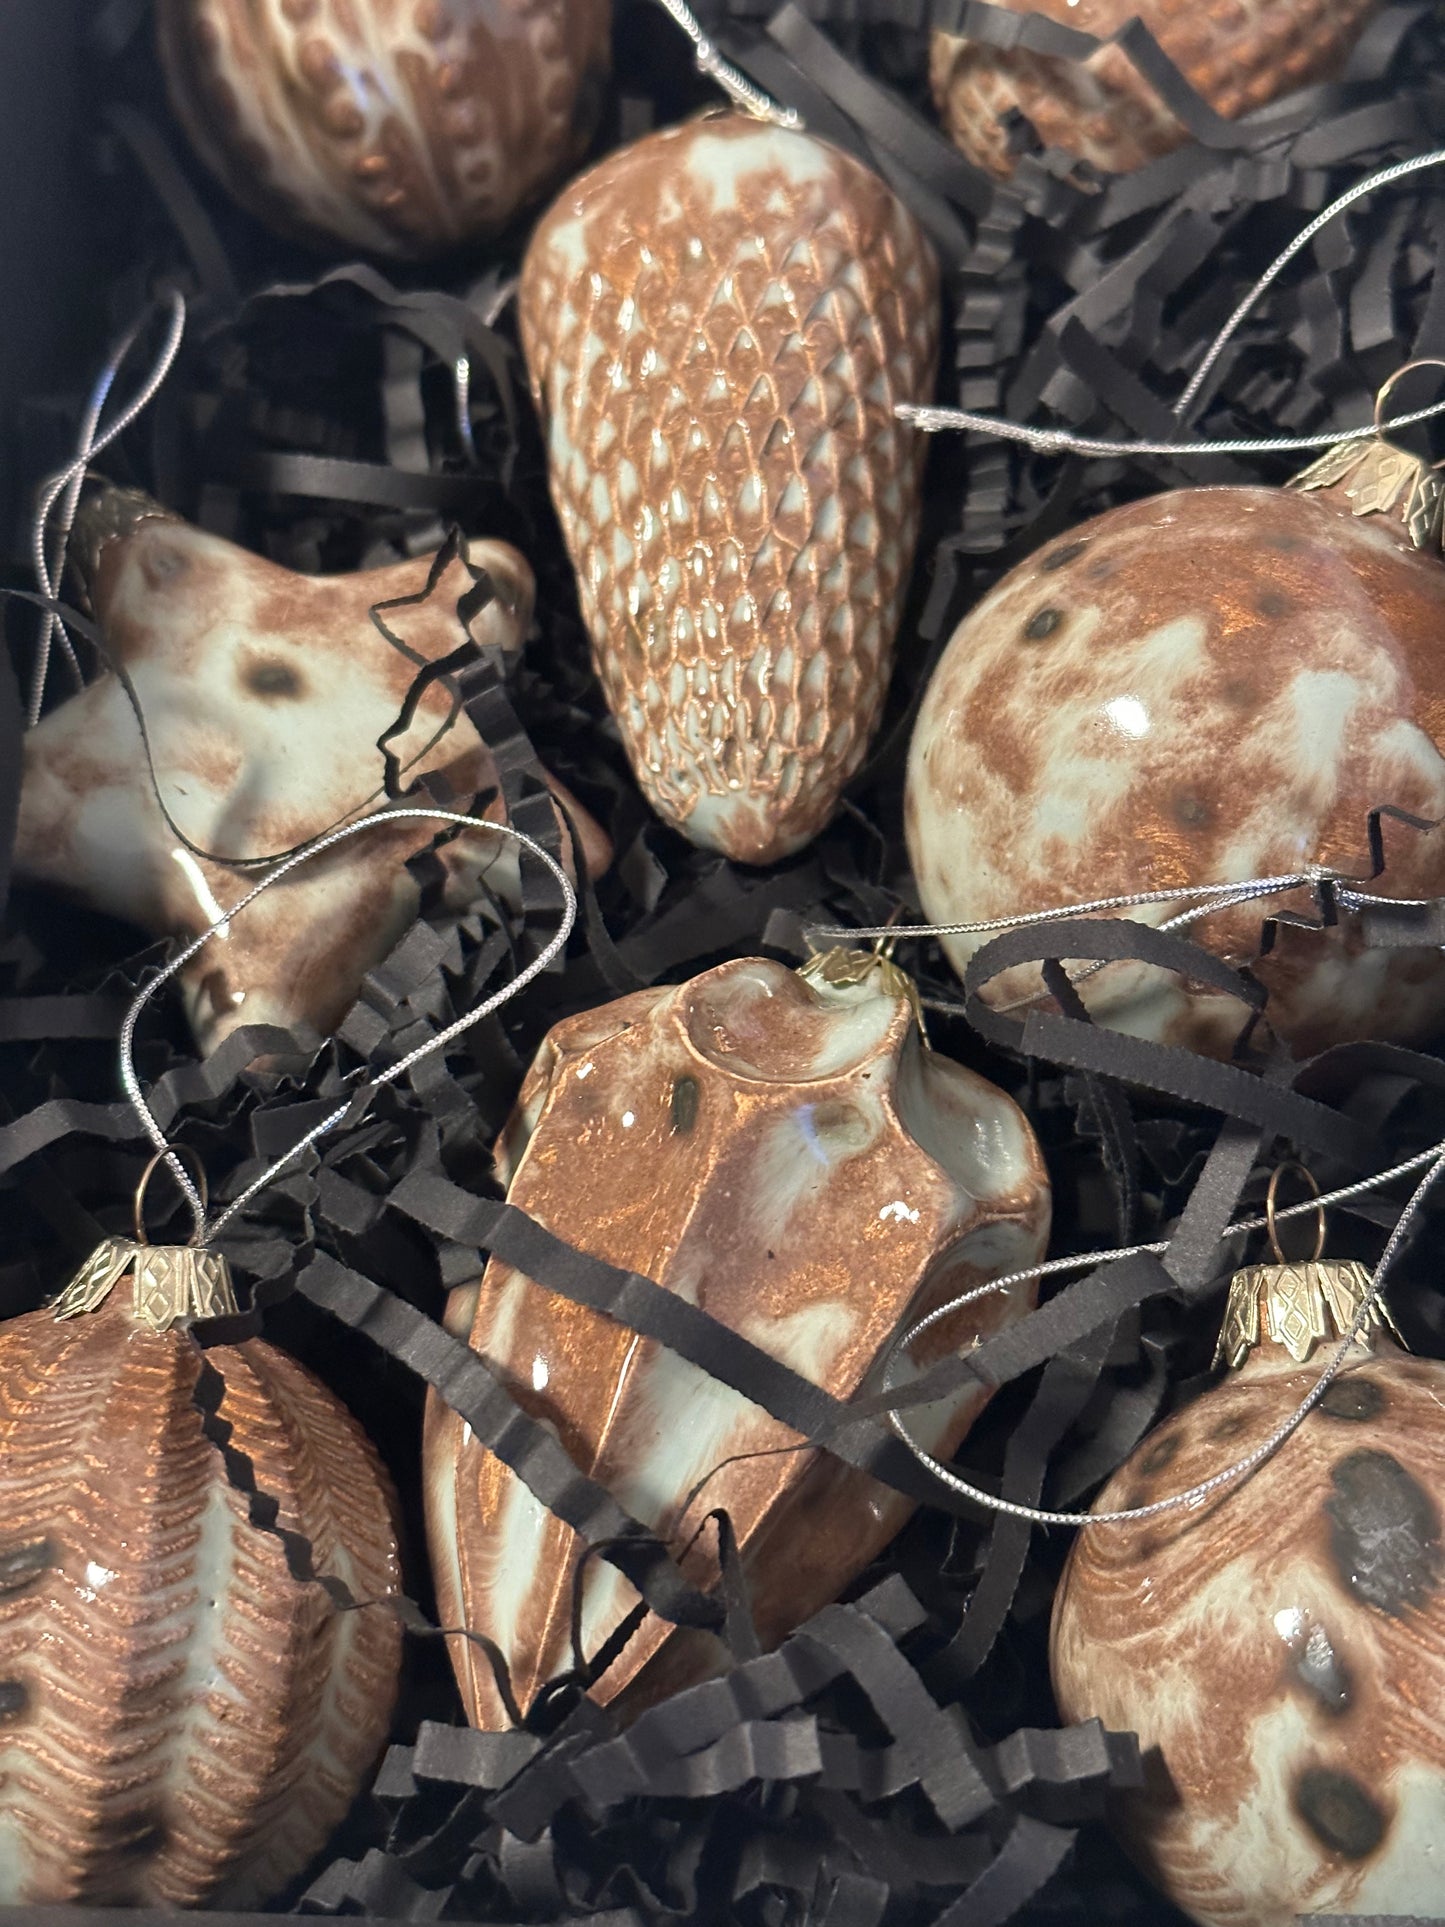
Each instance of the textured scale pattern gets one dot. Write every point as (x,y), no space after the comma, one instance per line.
(1237,54)
(718,322)
(181,1722)
(395,126)
(1281,1651)
(790,1158)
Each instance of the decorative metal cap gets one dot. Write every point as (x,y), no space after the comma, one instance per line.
(844,966)
(1377,478)
(170,1284)
(1297,1305)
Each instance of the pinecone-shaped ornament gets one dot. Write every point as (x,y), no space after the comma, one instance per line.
(718,321)
(182,1722)
(1237,54)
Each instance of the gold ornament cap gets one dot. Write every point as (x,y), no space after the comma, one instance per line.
(842,965)
(1378,478)
(1299,1303)
(170,1284)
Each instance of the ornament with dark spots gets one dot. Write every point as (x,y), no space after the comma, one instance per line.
(1160,1454)
(1192,812)
(14,1699)
(684,1104)
(1043,624)
(1229,1428)
(1272,604)
(1340,1813)
(1384,1533)
(1353,1398)
(21,1565)
(273,680)
(1060,558)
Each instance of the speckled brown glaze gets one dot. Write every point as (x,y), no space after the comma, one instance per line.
(265,694)
(1237,54)
(1210,685)
(181,1722)
(790,1158)
(394,126)
(718,322)
(1280,1652)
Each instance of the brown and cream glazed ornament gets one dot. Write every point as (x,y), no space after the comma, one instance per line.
(1279,1650)
(394,126)
(182,1723)
(264,694)
(1211,685)
(718,321)
(1238,55)
(782,1150)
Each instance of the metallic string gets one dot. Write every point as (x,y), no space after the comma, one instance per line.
(738,88)
(65,486)
(208,1229)
(1061,441)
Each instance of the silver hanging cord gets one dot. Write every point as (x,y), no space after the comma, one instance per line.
(207,1229)
(738,88)
(1061,441)
(64,488)
(1196,1495)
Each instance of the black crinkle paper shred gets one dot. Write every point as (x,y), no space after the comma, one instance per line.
(897,1762)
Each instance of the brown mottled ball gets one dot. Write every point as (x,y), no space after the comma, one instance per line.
(1280,1652)
(718,322)
(182,1722)
(1237,54)
(401,127)
(1207,686)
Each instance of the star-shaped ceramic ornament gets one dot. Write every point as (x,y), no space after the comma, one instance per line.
(265,694)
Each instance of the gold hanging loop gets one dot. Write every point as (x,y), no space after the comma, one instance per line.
(198,1171)
(1393,381)
(1271,1206)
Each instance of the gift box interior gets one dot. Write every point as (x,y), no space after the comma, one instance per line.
(898,1756)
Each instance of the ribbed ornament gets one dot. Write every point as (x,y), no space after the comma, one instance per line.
(182,1723)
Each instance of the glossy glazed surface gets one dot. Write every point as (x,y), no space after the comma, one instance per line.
(1210,685)
(790,1159)
(1281,1652)
(264,695)
(393,126)
(1237,54)
(718,321)
(183,1723)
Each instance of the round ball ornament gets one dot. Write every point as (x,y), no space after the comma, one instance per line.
(1279,1649)
(1208,686)
(183,1723)
(397,127)
(1237,57)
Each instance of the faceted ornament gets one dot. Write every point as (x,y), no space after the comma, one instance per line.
(182,1723)
(784,1152)
(718,322)
(394,126)
(1279,1650)
(1238,56)
(1211,685)
(265,695)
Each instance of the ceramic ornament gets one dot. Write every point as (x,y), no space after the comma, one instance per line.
(1207,686)
(783,1151)
(1280,1650)
(1238,56)
(182,1723)
(264,694)
(401,127)
(718,321)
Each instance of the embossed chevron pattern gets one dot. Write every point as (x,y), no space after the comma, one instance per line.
(181,1722)
(397,126)
(718,322)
